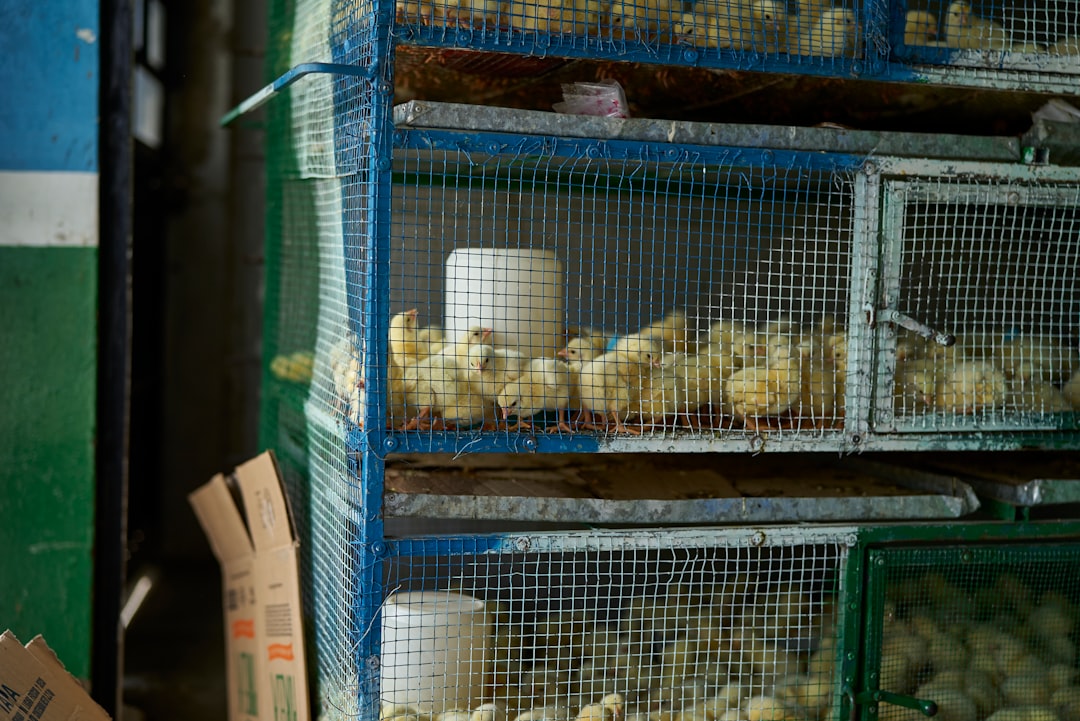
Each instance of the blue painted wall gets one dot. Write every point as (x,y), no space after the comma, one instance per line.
(49,84)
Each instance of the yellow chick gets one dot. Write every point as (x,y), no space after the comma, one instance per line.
(680,386)
(964,29)
(490,368)
(546,16)
(732,341)
(480,12)
(546,385)
(673,332)
(1036,396)
(297,367)
(920,29)
(458,351)
(1065,47)
(491,711)
(760,391)
(446,10)
(579,350)
(589,338)
(1071,389)
(707,30)
(833,35)
(404,348)
(641,17)
(768,26)
(971,387)
(610,708)
(1036,358)
(612,382)
(430,339)
(810,11)
(438,387)
(769,708)
(817,399)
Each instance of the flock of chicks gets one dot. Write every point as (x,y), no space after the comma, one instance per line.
(746,650)
(964,29)
(769,376)
(816,27)
(739,650)
(1002,653)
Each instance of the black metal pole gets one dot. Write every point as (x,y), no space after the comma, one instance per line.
(114,351)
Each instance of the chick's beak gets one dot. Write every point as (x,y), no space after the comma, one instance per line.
(485,333)
(505,412)
(563,353)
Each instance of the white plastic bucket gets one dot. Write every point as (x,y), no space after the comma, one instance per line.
(434,650)
(517,293)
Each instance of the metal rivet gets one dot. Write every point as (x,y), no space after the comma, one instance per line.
(880,561)
(390,443)
(853,606)
(373,662)
(851,540)
(529,443)
(966,556)
(523,544)
(690,55)
(757,539)
(851,655)
(592,151)
(384,163)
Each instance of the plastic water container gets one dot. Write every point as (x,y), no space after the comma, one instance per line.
(518,293)
(434,650)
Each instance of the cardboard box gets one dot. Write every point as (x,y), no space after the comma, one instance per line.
(35,686)
(255,541)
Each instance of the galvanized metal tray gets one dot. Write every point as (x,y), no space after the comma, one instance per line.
(1021,479)
(478,118)
(667,489)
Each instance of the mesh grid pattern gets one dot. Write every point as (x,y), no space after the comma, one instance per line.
(995,265)
(1026,44)
(528,272)
(641,630)
(987,634)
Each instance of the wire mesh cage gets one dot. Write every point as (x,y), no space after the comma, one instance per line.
(992,264)
(652,624)
(983,632)
(670,273)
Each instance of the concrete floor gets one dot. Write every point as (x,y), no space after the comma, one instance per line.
(175,648)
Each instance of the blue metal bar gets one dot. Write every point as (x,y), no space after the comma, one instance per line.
(291,76)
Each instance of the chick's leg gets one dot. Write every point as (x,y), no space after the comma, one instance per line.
(620,427)
(415,423)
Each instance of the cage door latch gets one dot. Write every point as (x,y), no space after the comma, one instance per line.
(890,315)
(925,707)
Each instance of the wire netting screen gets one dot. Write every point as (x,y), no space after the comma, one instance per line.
(1027,34)
(316,175)
(584,293)
(984,633)
(631,628)
(995,265)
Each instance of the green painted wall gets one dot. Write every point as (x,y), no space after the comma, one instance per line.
(48,298)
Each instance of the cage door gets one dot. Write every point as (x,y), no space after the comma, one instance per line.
(978,315)
(979,631)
